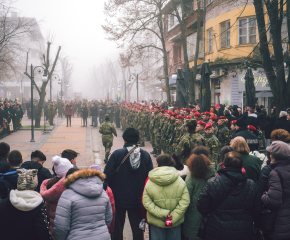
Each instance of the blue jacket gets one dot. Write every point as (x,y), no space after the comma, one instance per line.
(8,181)
(128,183)
(94,111)
(4,166)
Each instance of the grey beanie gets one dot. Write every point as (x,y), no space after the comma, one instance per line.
(279,150)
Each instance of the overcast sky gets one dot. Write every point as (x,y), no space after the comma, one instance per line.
(76,25)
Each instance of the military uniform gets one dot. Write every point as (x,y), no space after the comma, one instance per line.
(141,128)
(176,136)
(223,135)
(169,134)
(51,113)
(107,130)
(213,144)
(156,132)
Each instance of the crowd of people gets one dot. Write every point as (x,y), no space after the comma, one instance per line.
(210,180)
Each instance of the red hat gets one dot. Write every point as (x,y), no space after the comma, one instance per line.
(189,117)
(201,123)
(233,122)
(217,105)
(176,108)
(194,110)
(209,125)
(213,118)
(162,110)
(197,114)
(250,127)
(222,117)
(179,117)
(156,107)
(206,113)
(169,112)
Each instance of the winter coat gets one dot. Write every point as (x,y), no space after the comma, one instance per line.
(271,119)
(94,111)
(228,199)
(252,165)
(192,216)
(112,201)
(262,122)
(84,210)
(68,110)
(23,217)
(42,174)
(164,193)
(8,182)
(252,120)
(4,166)
(282,123)
(251,138)
(51,197)
(128,183)
(274,199)
(84,112)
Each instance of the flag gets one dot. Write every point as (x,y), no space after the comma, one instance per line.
(57,98)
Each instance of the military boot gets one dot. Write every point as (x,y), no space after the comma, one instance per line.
(142,144)
(106,158)
(154,151)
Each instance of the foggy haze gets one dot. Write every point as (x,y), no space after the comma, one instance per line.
(76,26)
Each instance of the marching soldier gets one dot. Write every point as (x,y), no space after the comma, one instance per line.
(212,143)
(223,133)
(51,113)
(189,141)
(205,116)
(169,133)
(107,130)
(177,133)
(141,126)
(156,130)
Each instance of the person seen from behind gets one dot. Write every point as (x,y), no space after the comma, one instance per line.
(166,200)
(4,151)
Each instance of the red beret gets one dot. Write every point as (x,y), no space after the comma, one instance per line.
(209,125)
(176,108)
(156,107)
(206,113)
(233,122)
(179,117)
(201,123)
(250,127)
(222,117)
(197,114)
(213,118)
(174,114)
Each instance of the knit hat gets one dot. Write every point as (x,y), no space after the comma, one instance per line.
(95,167)
(61,165)
(279,150)
(131,135)
(107,117)
(27,179)
(242,122)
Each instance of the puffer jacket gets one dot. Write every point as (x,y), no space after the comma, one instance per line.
(112,201)
(51,197)
(228,199)
(164,193)
(274,199)
(192,216)
(84,210)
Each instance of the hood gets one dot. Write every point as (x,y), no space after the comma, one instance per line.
(234,174)
(163,176)
(53,194)
(134,158)
(87,182)
(31,165)
(25,200)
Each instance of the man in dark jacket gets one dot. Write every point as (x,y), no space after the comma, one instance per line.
(127,182)
(282,122)
(229,117)
(37,161)
(94,113)
(228,199)
(242,130)
(4,151)
(8,180)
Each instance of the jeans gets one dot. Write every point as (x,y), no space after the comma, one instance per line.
(95,120)
(158,233)
(135,218)
(68,120)
(85,122)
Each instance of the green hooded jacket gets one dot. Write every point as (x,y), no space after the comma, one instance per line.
(164,193)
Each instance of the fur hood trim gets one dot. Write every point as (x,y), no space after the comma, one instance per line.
(84,173)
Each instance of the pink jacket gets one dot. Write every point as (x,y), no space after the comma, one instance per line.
(112,201)
(68,111)
(51,197)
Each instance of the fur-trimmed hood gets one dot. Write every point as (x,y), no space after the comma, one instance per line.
(87,182)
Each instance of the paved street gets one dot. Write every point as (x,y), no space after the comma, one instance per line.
(86,141)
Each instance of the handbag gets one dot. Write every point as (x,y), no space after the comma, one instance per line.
(267,218)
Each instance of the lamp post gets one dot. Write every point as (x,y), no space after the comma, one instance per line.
(44,79)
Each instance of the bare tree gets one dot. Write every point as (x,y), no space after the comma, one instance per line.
(67,70)
(49,69)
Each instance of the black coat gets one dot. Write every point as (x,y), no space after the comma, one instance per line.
(251,138)
(282,123)
(42,174)
(230,118)
(4,166)
(229,199)
(262,122)
(127,184)
(271,119)
(252,120)
(25,225)
(8,181)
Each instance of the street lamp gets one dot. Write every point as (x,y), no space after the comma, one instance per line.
(44,79)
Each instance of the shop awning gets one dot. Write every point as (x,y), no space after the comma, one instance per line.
(264,94)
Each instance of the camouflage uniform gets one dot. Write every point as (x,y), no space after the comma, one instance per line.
(107,130)
(169,133)
(213,144)
(151,128)
(232,133)
(223,135)
(141,127)
(201,132)
(188,142)
(176,136)
(163,134)
(51,113)
(157,136)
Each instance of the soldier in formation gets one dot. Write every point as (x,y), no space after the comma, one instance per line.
(51,113)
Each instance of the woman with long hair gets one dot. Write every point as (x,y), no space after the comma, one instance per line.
(201,169)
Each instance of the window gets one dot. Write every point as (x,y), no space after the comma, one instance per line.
(172,19)
(225,34)
(210,40)
(247,30)
(191,46)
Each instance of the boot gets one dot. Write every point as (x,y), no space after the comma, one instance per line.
(142,144)
(106,158)
(154,151)
(157,154)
